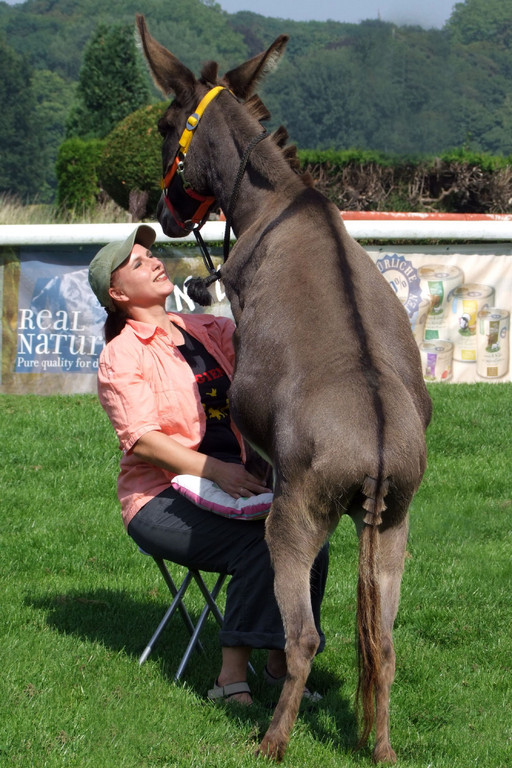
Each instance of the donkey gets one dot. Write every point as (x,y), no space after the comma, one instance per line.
(329,389)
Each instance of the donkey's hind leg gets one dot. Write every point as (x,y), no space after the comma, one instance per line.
(294,540)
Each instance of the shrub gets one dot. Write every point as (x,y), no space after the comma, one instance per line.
(77,173)
(455,182)
(131,161)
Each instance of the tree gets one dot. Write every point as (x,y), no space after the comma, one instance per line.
(112,83)
(482,20)
(77,171)
(21,156)
(53,96)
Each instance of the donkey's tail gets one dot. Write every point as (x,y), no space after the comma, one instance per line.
(368,606)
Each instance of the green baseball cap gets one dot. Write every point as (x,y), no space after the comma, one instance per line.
(111,257)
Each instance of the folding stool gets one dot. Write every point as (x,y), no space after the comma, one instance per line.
(177,603)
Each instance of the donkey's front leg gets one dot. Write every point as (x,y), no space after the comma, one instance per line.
(293,553)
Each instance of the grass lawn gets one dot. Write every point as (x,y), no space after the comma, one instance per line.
(79,603)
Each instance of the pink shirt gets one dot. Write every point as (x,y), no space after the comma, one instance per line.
(145,384)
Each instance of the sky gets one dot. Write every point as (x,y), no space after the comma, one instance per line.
(424,13)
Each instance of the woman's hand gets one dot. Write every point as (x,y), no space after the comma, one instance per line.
(235,479)
(163,451)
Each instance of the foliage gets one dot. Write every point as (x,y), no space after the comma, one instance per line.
(475,21)
(80,603)
(53,96)
(77,172)
(111,85)
(459,181)
(21,158)
(54,33)
(12,211)
(131,160)
(370,86)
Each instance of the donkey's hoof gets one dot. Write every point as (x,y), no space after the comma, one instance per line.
(384,753)
(271,749)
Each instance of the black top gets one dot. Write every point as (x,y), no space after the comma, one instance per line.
(219,440)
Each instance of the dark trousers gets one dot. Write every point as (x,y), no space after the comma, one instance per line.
(174,528)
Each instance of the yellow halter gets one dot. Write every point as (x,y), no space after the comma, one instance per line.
(194,118)
(204,202)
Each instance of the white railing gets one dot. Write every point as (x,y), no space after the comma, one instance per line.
(367,226)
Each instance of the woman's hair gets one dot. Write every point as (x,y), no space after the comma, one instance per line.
(114,324)
(116,318)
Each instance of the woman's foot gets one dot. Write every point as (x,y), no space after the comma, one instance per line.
(239,692)
(276,665)
(231,683)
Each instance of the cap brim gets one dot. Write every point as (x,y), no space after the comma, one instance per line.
(143,235)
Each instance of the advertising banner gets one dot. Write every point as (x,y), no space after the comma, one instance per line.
(458,299)
(52,323)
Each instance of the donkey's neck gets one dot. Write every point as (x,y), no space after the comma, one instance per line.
(230,142)
(261,194)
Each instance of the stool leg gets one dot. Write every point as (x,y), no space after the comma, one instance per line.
(173,590)
(210,606)
(175,604)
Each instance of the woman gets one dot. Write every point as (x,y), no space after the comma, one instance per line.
(163,380)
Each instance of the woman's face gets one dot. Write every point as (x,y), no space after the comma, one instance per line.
(141,280)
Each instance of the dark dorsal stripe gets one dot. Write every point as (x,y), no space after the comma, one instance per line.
(310,199)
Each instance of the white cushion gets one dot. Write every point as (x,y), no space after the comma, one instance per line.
(206,494)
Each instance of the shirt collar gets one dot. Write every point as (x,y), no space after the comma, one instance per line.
(146,331)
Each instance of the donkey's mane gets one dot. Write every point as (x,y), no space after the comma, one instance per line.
(257,109)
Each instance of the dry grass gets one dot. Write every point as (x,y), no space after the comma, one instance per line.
(12,211)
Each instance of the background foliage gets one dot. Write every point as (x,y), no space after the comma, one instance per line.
(77,165)
(111,83)
(130,162)
(402,91)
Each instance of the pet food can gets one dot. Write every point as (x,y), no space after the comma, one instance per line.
(436,360)
(492,343)
(467,301)
(437,283)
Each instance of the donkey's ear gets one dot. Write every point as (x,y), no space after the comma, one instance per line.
(169,74)
(244,79)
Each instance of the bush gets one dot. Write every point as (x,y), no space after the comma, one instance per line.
(77,174)
(131,162)
(456,182)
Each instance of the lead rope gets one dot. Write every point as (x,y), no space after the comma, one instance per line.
(207,259)
(198,284)
(236,189)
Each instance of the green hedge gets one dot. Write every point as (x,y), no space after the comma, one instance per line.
(127,166)
(77,173)
(454,182)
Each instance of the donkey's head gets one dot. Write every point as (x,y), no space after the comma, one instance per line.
(188,186)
